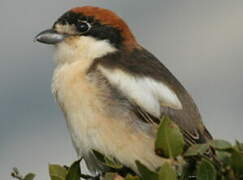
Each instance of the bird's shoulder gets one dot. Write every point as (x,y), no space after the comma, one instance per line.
(143,78)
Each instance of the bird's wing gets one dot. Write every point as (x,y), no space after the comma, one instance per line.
(146,92)
(154,91)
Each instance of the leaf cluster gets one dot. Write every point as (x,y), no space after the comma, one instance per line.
(215,160)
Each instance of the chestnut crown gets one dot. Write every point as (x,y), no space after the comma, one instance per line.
(99,23)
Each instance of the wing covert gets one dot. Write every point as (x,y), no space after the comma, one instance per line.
(153,90)
(146,92)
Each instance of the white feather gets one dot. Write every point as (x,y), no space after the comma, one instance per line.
(145,91)
(81,48)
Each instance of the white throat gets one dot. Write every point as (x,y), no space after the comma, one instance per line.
(81,48)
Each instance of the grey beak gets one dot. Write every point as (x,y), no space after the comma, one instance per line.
(50,36)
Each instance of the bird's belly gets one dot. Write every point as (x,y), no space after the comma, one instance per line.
(91,127)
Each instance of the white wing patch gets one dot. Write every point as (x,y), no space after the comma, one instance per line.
(145,92)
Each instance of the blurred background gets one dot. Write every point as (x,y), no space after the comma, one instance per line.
(201,42)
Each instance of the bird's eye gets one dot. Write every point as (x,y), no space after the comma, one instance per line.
(83,26)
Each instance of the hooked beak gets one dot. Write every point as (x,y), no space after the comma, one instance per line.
(50,36)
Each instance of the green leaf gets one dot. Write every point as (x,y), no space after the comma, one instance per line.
(166,172)
(29,176)
(113,163)
(57,172)
(130,177)
(74,172)
(196,149)
(206,171)
(169,141)
(224,157)
(237,162)
(146,173)
(239,145)
(220,144)
(110,176)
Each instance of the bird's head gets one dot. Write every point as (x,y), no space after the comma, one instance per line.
(88,31)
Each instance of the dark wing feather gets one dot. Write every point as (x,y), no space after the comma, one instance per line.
(139,62)
(195,136)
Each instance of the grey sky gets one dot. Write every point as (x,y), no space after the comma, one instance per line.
(201,42)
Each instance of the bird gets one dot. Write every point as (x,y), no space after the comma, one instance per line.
(113,92)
